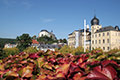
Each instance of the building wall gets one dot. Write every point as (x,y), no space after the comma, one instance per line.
(105,40)
(101,40)
(44,33)
(71,40)
(81,40)
(94,28)
(115,39)
(49,34)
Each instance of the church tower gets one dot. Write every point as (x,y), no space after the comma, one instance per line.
(95,25)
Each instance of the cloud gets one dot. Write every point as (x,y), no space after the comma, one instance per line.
(48,20)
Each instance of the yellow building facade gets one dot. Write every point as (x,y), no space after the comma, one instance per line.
(72,39)
(106,38)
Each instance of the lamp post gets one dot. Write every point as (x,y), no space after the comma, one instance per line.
(85,35)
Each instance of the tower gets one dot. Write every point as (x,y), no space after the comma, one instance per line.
(95,25)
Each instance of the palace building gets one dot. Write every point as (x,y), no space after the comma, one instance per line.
(106,38)
(46,33)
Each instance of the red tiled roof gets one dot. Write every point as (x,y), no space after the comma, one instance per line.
(35,42)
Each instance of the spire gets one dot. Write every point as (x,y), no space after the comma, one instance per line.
(94,13)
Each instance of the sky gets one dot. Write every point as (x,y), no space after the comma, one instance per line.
(60,16)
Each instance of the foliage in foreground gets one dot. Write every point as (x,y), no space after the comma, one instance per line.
(56,66)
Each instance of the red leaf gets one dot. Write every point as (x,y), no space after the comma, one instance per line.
(33,55)
(78,77)
(103,73)
(108,71)
(95,75)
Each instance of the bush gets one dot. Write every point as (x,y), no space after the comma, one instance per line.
(112,51)
(31,50)
(66,49)
(10,51)
(78,50)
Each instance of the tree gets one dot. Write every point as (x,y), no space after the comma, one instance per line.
(23,41)
(64,40)
(34,37)
(46,40)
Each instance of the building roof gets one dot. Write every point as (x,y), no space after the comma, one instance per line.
(81,30)
(44,30)
(95,21)
(108,28)
(35,42)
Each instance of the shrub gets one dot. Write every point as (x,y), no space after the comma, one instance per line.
(78,50)
(66,49)
(10,51)
(31,50)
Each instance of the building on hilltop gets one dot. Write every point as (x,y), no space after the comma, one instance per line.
(46,33)
(106,38)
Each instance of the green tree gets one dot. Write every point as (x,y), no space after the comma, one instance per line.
(23,41)
(64,40)
(46,40)
(34,37)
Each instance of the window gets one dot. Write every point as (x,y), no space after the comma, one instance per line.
(103,41)
(103,48)
(119,34)
(99,41)
(107,33)
(107,40)
(103,34)
(108,48)
(96,41)
(93,41)
(93,36)
(99,35)
(96,35)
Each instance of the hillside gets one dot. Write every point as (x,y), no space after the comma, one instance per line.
(3,41)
